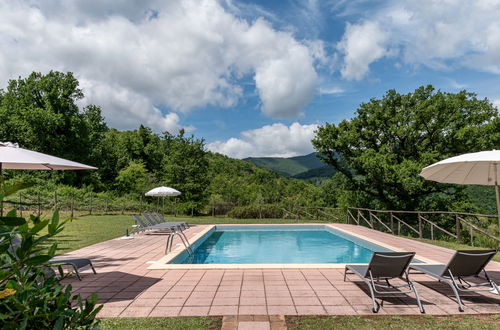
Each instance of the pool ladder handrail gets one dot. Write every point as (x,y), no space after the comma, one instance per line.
(170,239)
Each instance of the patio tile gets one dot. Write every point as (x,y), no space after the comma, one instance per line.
(278,294)
(223,310)
(165,311)
(251,294)
(151,294)
(111,311)
(227,294)
(194,311)
(202,294)
(252,310)
(198,302)
(225,301)
(177,294)
(136,311)
(252,301)
(340,310)
(206,288)
(145,302)
(303,293)
(171,302)
(252,325)
(310,310)
(281,310)
(333,301)
(306,301)
(329,293)
(279,301)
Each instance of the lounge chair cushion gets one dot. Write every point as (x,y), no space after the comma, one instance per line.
(359,270)
(436,270)
(76,262)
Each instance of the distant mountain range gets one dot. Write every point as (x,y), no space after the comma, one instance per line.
(308,168)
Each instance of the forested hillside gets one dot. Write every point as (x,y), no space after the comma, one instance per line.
(291,166)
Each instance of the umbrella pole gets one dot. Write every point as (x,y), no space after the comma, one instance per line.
(1,185)
(497,195)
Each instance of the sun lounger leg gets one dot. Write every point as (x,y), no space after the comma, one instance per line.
(376,305)
(76,271)
(419,303)
(92,266)
(455,290)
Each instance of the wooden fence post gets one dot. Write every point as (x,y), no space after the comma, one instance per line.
(90,203)
(458,228)
(72,205)
(347,216)
(39,204)
(371,218)
(392,222)
(420,226)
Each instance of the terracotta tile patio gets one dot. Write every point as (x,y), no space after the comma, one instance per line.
(128,289)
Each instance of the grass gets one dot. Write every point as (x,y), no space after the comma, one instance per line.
(187,323)
(394,322)
(452,245)
(90,230)
(319,322)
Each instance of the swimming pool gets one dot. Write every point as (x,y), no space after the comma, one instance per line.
(278,244)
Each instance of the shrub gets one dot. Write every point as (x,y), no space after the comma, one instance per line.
(256,211)
(31,297)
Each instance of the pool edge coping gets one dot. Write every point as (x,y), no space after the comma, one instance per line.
(163,263)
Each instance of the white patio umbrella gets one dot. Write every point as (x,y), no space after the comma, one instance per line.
(162,192)
(14,158)
(478,168)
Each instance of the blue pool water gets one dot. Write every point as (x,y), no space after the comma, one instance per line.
(250,246)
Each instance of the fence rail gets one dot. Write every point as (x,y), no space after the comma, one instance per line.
(443,224)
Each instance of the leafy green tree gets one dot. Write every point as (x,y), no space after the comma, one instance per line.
(41,113)
(380,152)
(185,168)
(133,179)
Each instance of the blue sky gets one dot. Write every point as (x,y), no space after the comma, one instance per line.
(254,78)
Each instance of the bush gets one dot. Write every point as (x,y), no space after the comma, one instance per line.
(31,297)
(256,211)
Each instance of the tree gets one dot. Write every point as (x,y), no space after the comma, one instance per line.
(41,113)
(133,179)
(380,152)
(185,168)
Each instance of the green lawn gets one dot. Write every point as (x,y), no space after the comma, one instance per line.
(318,322)
(394,322)
(187,323)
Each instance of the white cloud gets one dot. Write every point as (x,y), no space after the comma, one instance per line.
(362,44)
(496,103)
(137,57)
(276,140)
(442,35)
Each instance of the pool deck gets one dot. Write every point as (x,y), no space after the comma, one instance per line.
(127,288)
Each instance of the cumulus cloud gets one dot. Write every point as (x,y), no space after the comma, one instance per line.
(496,103)
(362,44)
(438,34)
(276,140)
(139,57)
